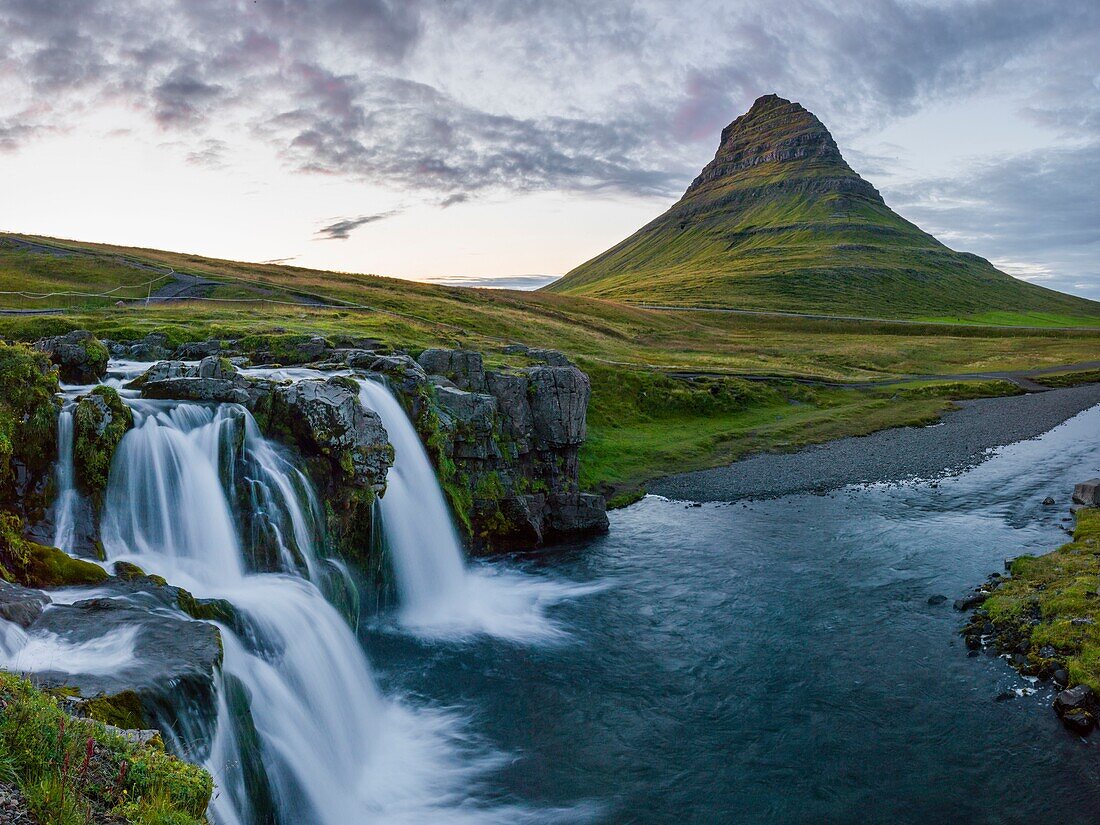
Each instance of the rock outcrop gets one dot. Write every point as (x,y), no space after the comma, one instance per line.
(505,442)
(81,358)
(100,420)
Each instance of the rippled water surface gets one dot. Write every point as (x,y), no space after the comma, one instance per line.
(777,661)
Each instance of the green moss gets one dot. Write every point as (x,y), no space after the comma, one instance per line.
(65,765)
(28,417)
(1062,585)
(100,421)
(34,565)
(123,710)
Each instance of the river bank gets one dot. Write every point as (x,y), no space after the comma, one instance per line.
(960,440)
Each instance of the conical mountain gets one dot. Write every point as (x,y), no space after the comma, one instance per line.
(779,221)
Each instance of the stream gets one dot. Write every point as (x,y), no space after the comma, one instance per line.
(748,661)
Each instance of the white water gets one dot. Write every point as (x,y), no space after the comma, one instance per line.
(440,596)
(335,750)
(101,656)
(64,507)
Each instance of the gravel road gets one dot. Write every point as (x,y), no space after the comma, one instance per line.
(890,455)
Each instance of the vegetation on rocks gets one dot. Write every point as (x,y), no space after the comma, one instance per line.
(28,425)
(30,564)
(100,421)
(1049,609)
(79,772)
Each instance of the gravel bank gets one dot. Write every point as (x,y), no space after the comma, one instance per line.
(890,455)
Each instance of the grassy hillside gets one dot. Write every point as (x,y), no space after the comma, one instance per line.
(779,221)
(671,390)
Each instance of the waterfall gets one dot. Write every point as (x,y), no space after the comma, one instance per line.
(303,734)
(65,506)
(439,594)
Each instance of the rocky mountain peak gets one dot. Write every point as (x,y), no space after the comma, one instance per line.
(773,130)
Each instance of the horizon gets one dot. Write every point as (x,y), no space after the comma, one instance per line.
(344,137)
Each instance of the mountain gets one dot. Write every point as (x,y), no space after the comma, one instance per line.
(779,221)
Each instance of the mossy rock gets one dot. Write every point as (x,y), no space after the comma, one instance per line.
(100,421)
(123,710)
(28,420)
(29,564)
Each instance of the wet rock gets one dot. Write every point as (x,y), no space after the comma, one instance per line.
(405,375)
(465,367)
(971,600)
(153,347)
(196,350)
(1049,501)
(81,358)
(1004,696)
(1087,493)
(162,658)
(326,419)
(100,420)
(577,513)
(215,379)
(21,605)
(939,598)
(1060,677)
(1078,720)
(313,349)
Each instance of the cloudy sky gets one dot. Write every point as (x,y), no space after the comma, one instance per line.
(472,139)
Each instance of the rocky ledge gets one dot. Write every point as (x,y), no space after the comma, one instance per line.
(505,442)
(1044,618)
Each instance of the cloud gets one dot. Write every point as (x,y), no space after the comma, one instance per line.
(340,230)
(452,200)
(1034,214)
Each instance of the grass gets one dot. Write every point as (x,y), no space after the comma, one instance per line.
(1062,585)
(807,235)
(76,771)
(624,348)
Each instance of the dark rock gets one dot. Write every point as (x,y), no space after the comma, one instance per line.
(971,600)
(511,392)
(215,379)
(1087,493)
(172,657)
(1047,652)
(1049,501)
(577,513)
(21,605)
(81,358)
(549,356)
(472,418)
(313,349)
(1004,696)
(1060,677)
(465,367)
(196,350)
(403,373)
(327,419)
(153,347)
(939,598)
(1080,696)
(1078,720)
(559,403)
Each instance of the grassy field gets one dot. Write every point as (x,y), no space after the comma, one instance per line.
(670,389)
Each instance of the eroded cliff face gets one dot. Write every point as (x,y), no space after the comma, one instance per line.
(506,443)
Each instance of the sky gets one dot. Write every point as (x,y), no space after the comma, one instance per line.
(507,141)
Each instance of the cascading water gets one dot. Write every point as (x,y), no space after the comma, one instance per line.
(298,710)
(439,595)
(65,506)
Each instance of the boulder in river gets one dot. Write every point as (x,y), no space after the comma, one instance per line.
(1076,707)
(81,358)
(215,379)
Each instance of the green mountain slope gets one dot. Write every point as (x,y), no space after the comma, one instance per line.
(779,221)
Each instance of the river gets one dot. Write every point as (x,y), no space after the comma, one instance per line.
(778,661)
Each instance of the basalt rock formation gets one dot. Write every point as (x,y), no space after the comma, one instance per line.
(778,220)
